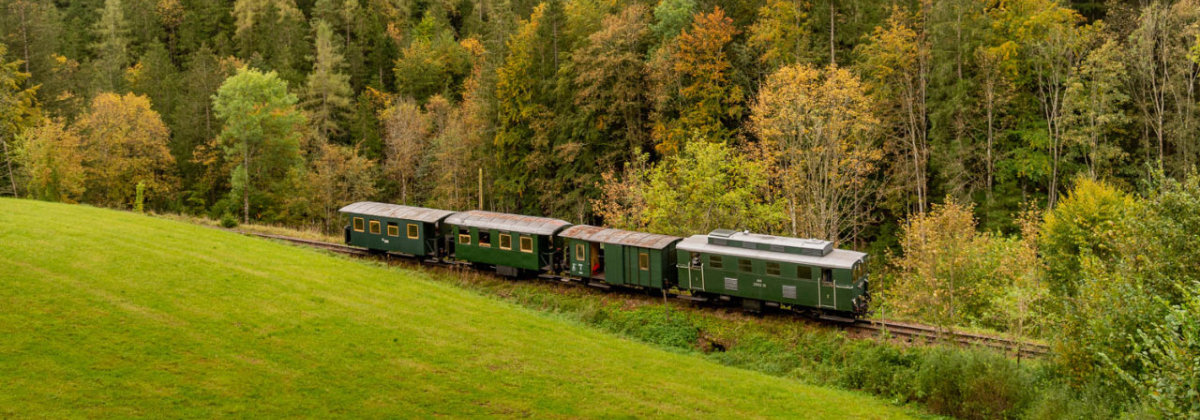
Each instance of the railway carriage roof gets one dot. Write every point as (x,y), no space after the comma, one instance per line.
(839,258)
(618,237)
(509,222)
(396,211)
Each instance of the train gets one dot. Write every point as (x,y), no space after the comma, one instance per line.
(754,270)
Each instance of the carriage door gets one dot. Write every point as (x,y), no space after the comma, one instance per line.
(828,289)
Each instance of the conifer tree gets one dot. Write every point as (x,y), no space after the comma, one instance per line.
(327,92)
(111,48)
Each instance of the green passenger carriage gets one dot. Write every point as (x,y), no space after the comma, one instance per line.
(394,228)
(510,242)
(620,257)
(774,270)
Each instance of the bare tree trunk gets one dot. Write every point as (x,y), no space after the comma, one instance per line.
(8,162)
(24,36)
(832,50)
(246,187)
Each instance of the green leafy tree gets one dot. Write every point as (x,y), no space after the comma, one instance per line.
(1165,78)
(708,185)
(1095,107)
(671,17)
(433,63)
(261,136)
(327,92)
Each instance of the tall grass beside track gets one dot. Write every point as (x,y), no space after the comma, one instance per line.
(111,314)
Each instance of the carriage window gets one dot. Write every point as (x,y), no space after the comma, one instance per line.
(464,239)
(715,261)
(643,261)
(579,254)
(505,241)
(745,266)
(485,238)
(772,269)
(413,232)
(374,227)
(393,230)
(803,273)
(526,244)
(358,224)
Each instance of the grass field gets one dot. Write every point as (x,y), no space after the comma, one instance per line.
(105,313)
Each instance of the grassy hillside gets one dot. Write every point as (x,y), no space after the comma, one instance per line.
(115,314)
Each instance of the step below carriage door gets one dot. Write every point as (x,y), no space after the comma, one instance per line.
(827,289)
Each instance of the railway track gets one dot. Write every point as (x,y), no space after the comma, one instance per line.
(914,333)
(908,332)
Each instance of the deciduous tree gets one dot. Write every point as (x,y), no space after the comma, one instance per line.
(405,136)
(52,157)
(818,126)
(261,134)
(125,143)
(708,104)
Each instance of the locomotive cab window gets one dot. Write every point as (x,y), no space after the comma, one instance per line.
(358,224)
(374,227)
(643,261)
(745,266)
(393,230)
(526,244)
(505,241)
(579,253)
(827,275)
(485,238)
(715,262)
(859,271)
(412,231)
(772,269)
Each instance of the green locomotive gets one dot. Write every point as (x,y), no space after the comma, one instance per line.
(806,275)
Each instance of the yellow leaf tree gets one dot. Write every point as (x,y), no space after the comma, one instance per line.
(817,125)
(124,142)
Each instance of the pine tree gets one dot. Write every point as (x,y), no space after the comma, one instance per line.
(327,92)
(111,49)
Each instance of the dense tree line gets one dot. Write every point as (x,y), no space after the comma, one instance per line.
(946,134)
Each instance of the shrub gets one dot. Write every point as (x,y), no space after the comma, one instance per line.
(228,221)
(972,384)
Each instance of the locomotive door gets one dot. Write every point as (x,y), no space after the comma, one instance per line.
(827,289)
(695,272)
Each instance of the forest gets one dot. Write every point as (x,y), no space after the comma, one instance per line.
(1023,166)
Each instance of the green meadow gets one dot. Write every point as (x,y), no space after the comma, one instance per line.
(114,314)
